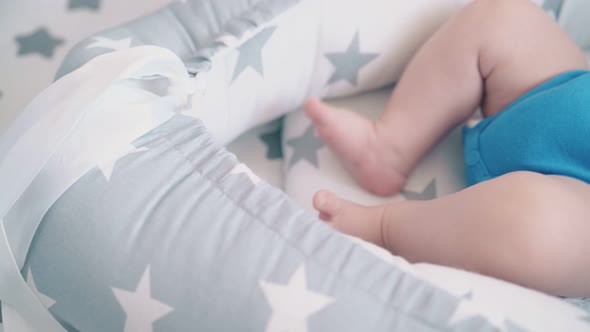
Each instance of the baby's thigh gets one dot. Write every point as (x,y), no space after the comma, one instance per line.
(553,213)
(521,48)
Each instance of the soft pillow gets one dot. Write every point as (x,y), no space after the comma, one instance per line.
(266,56)
(311,50)
(257,60)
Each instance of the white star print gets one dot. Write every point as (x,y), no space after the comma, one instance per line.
(97,147)
(243,169)
(228,40)
(141,309)
(107,166)
(470,307)
(111,44)
(504,305)
(44,299)
(104,156)
(292,303)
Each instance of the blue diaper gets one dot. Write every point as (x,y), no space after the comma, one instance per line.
(547,130)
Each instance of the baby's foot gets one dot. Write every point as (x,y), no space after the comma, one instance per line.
(350,218)
(355,140)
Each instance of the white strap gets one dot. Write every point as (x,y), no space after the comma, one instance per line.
(28,149)
(16,295)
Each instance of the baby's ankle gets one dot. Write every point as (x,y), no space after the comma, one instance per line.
(389,145)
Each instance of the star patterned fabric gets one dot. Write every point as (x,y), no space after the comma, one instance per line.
(292,303)
(553,7)
(44,299)
(272,140)
(84,4)
(110,44)
(348,64)
(39,41)
(141,309)
(305,147)
(428,193)
(250,53)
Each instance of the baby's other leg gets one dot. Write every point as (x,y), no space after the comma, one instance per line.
(490,53)
(523,227)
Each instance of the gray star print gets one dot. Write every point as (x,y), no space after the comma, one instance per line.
(553,6)
(348,64)
(305,147)
(38,41)
(513,327)
(474,323)
(90,4)
(251,52)
(428,193)
(273,143)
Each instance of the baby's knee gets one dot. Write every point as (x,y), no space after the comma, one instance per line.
(499,7)
(496,16)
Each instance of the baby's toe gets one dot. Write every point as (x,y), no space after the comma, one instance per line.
(328,204)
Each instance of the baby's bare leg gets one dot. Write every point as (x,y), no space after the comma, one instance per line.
(493,51)
(490,53)
(524,227)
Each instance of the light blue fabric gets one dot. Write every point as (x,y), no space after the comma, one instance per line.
(196,244)
(189,28)
(547,130)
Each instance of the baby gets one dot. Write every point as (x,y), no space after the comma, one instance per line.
(526,215)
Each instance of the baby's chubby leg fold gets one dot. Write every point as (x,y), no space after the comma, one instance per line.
(523,227)
(351,218)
